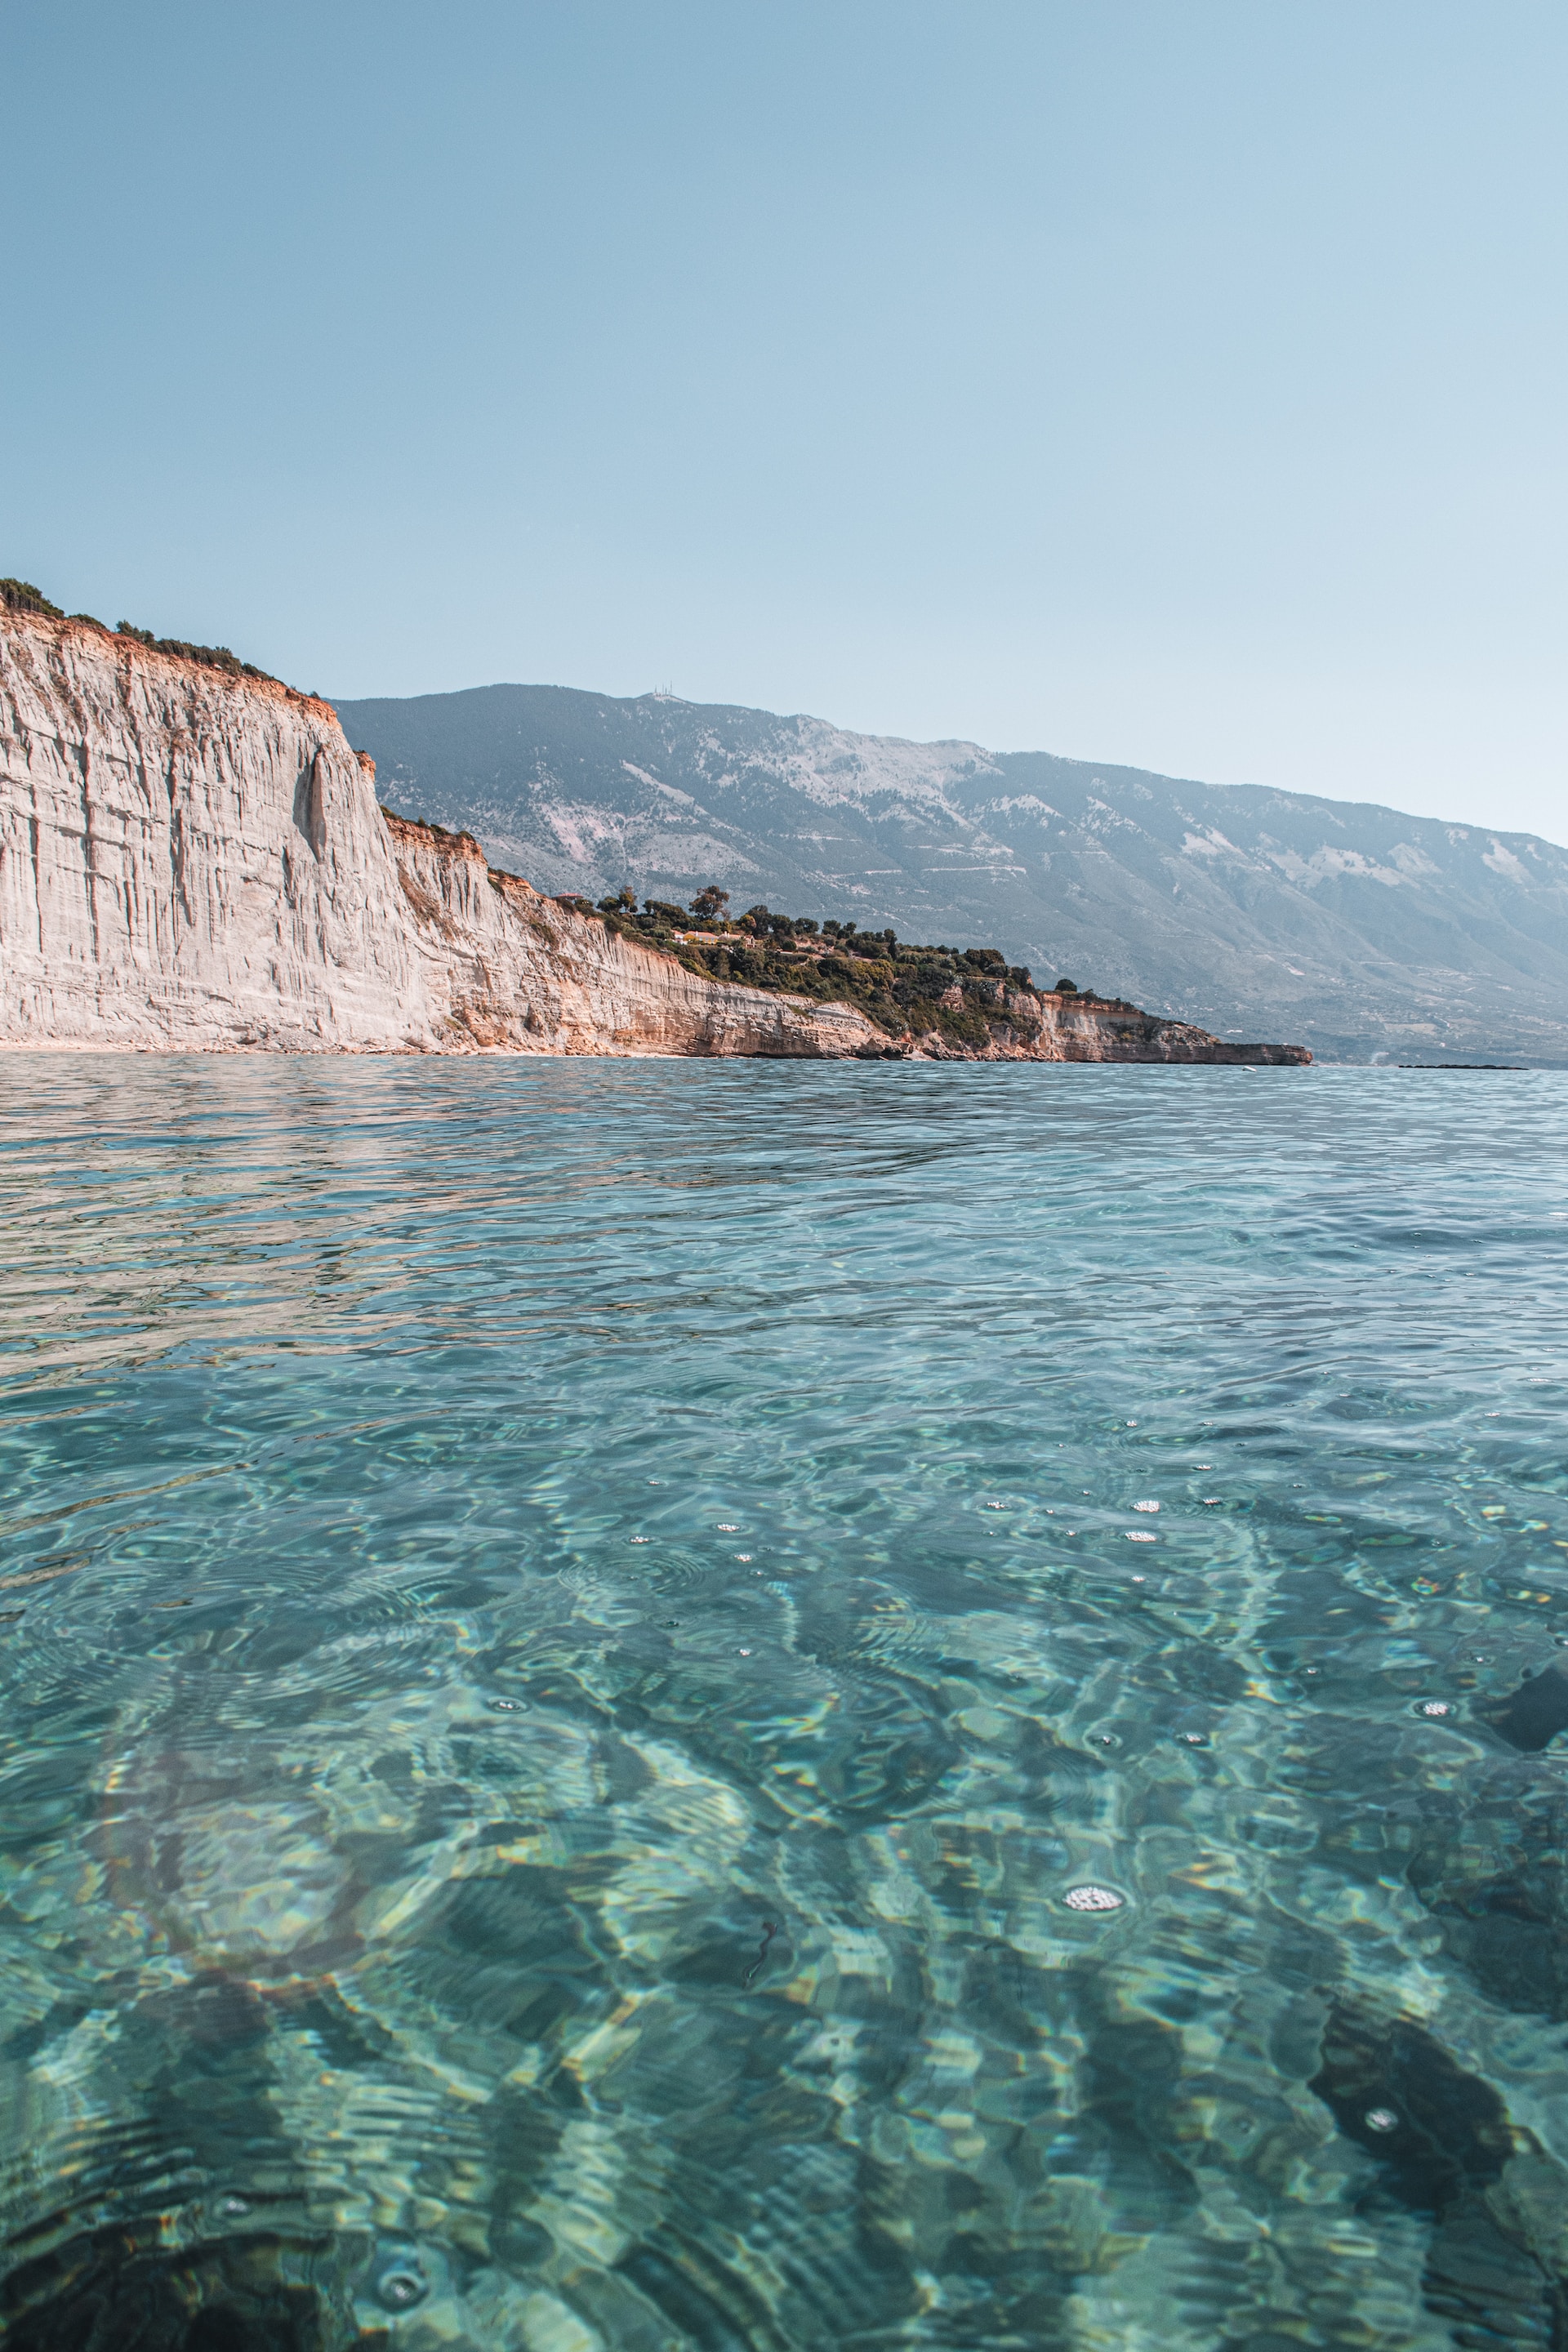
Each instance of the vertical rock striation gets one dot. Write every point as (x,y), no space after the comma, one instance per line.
(502,967)
(187,860)
(194,859)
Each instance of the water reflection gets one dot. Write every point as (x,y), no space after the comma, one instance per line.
(589,1761)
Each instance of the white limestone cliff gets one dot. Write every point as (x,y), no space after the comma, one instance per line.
(194,859)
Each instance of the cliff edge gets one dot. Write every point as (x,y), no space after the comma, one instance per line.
(192,857)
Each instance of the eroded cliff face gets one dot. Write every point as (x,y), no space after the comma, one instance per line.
(185,860)
(503,967)
(1048,1027)
(194,860)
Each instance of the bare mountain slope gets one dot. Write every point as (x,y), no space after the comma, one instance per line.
(1359,929)
(191,858)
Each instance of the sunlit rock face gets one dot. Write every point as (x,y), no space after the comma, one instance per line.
(1362,931)
(186,858)
(192,860)
(189,859)
(503,967)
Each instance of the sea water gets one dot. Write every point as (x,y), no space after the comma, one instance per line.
(657,1705)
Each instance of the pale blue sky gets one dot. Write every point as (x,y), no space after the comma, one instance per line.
(1179,383)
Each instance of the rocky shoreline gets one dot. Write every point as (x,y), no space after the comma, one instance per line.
(193,858)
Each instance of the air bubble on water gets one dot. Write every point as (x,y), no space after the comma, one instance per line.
(1381,2119)
(1092,1898)
(402,2285)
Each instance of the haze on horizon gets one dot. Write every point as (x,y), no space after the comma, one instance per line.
(1181,388)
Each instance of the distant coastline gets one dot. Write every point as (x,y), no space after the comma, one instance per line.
(193,859)
(1363,931)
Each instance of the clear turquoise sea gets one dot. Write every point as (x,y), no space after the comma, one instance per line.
(762,1708)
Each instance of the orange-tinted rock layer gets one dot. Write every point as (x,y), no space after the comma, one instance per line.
(189,860)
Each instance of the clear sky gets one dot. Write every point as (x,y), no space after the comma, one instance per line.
(1179,382)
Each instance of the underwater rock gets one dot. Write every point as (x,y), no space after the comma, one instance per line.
(1491,1875)
(1452,2131)
(1441,2141)
(1533,1714)
(112,2289)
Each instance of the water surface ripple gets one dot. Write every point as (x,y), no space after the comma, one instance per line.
(734,1706)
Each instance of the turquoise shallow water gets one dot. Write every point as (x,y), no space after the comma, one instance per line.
(569,1630)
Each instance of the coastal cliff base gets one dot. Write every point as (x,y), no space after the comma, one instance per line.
(191,858)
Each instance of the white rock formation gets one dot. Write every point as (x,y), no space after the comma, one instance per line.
(191,858)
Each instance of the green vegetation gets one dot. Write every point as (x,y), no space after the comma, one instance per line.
(959,993)
(208,656)
(21,596)
(955,991)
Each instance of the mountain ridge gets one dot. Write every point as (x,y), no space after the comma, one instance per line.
(1365,931)
(193,858)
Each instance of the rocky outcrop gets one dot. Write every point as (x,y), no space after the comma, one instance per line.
(186,860)
(503,967)
(194,859)
(1364,930)
(1048,1027)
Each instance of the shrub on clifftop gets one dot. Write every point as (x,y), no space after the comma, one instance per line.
(905,989)
(207,656)
(21,596)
